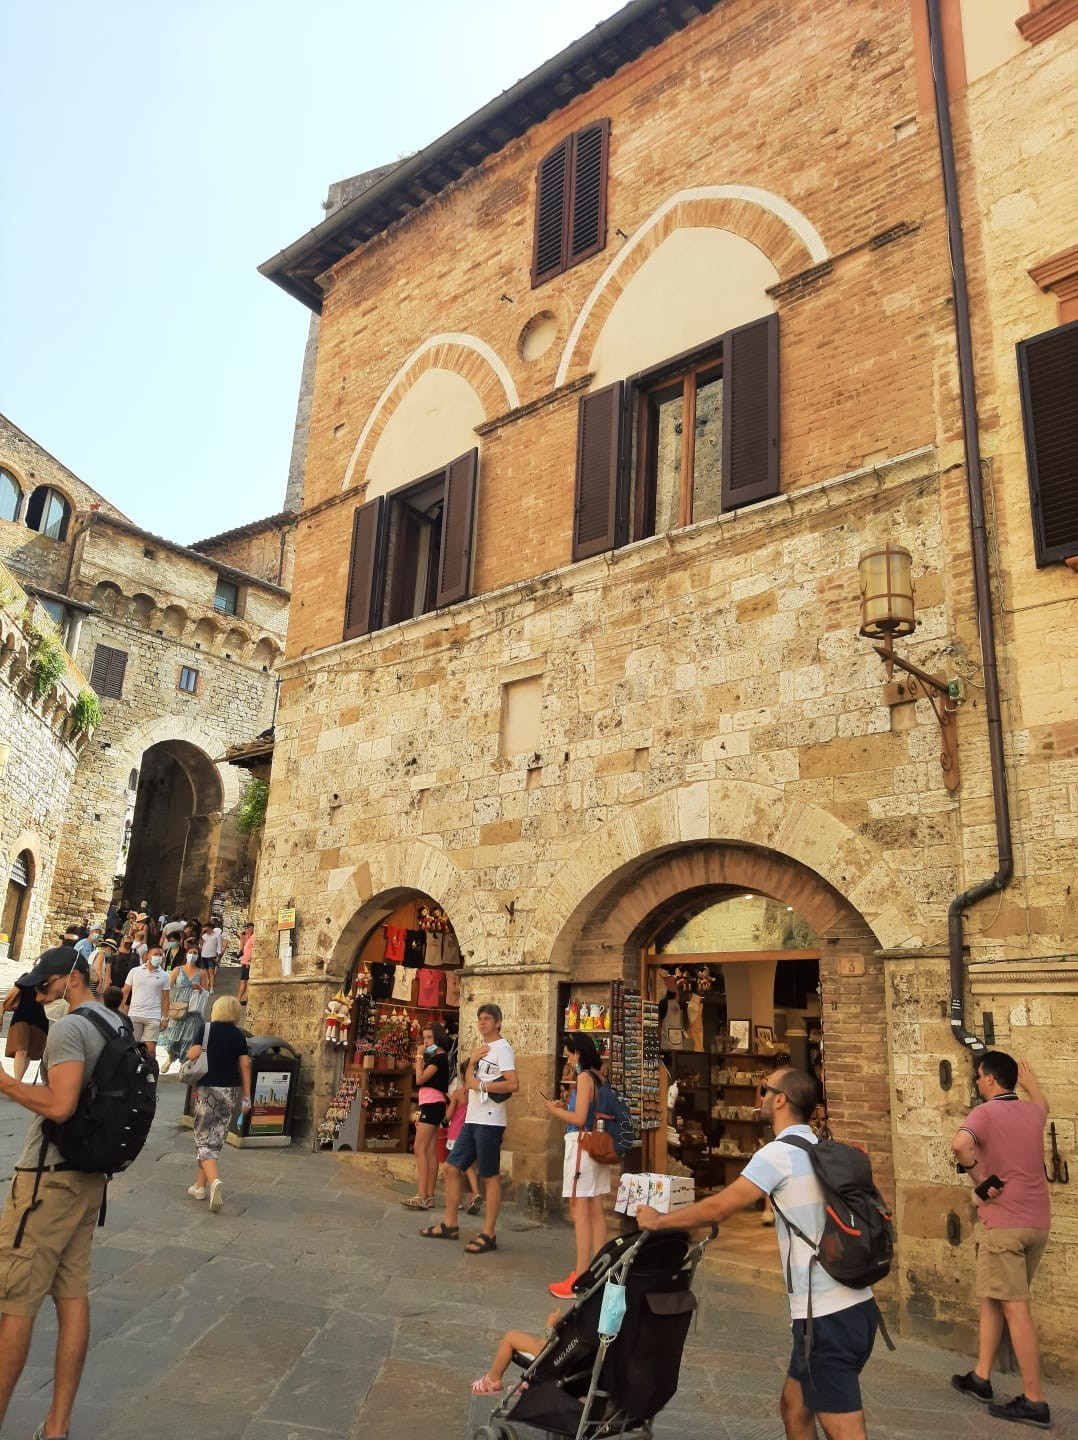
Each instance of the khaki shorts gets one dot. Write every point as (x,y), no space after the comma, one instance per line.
(145,1031)
(54,1256)
(1007,1260)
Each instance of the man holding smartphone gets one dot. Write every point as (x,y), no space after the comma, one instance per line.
(1000,1145)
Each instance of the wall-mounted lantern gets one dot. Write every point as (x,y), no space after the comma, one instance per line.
(887,611)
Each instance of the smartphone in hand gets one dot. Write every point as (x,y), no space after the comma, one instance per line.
(992,1183)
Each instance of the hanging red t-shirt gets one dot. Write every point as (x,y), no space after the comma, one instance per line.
(395,937)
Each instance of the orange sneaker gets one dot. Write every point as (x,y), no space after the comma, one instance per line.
(563,1289)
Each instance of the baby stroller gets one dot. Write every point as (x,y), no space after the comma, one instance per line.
(612,1361)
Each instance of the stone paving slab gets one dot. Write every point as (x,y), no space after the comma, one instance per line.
(310,1309)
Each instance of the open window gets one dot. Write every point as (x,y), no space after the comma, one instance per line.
(10,495)
(682,442)
(48,513)
(411,549)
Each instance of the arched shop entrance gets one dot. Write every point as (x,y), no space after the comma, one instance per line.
(404,974)
(736,982)
(781,948)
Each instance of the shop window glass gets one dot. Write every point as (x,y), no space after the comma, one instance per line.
(10,495)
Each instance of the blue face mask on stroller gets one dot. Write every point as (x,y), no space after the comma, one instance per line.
(613,1309)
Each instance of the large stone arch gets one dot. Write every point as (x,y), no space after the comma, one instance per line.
(465,355)
(141,738)
(376,887)
(772,224)
(761,821)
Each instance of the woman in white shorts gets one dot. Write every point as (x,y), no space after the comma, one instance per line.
(584,1183)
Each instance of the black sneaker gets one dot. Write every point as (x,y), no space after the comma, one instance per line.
(1026,1412)
(972,1384)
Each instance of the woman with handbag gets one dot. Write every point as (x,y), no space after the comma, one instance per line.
(188,1000)
(432,1087)
(585,1180)
(217,1069)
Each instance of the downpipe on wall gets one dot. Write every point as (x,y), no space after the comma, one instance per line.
(979,534)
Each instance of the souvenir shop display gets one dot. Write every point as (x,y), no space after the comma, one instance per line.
(405,975)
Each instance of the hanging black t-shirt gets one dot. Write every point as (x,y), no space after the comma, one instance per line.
(226,1044)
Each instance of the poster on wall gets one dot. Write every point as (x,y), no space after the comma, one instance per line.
(269,1104)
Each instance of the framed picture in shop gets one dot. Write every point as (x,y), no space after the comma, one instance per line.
(765,1039)
(740,1031)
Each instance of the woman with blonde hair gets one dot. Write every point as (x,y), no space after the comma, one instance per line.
(228,1070)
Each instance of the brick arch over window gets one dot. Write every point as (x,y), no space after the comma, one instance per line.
(770,223)
(374,889)
(465,355)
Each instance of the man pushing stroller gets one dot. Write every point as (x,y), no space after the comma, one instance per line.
(822,1382)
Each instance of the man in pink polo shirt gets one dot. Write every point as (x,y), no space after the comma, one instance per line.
(1004,1138)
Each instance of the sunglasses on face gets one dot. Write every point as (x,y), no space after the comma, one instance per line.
(771,1090)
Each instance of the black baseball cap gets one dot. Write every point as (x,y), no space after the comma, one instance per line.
(60,960)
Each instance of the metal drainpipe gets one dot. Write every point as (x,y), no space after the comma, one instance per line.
(982,580)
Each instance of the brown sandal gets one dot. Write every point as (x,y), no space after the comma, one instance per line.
(441,1231)
(480,1244)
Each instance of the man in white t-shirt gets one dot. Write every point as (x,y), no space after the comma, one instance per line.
(146,1001)
(492,1078)
(826,1387)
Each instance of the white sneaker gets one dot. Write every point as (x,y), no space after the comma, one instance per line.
(197,1192)
(217,1199)
(167,1066)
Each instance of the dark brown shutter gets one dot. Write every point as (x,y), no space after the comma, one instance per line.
(597,471)
(750,413)
(107,672)
(587,192)
(360,608)
(458,524)
(551,189)
(1048,379)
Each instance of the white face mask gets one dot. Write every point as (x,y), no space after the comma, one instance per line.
(155,961)
(56,1009)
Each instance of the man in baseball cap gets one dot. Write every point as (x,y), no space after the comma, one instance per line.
(52,1224)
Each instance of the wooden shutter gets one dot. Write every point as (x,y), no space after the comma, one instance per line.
(750,413)
(458,525)
(107,673)
(1048,379)
(587,192)
(360,607)
(598,467)
(551,190)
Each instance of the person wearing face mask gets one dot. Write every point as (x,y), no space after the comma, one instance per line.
(432,1085)
(584,1181)
(146,1001)
(55,1233)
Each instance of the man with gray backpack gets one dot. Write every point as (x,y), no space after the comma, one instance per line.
(92,1112)
(834,1236)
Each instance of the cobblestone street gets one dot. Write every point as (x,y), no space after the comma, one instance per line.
(309,1310)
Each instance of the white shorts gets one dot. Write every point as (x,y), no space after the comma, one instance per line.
(145,1030)
(593,1180)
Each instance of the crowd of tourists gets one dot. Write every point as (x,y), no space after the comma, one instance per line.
(151,975)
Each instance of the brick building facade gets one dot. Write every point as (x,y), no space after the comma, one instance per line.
(574,633)
(181,646)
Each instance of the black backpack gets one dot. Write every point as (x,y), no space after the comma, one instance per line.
(857,1244)
(113,1116)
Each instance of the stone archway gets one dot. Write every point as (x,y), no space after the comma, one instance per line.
(174,833)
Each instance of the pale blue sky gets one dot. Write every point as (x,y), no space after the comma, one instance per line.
(152,155)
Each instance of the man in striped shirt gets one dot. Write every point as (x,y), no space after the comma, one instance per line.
(825,1387)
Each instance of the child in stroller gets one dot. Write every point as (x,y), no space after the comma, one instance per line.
(589,1379)
(514,1345)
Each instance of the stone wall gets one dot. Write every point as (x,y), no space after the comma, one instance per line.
(39,750)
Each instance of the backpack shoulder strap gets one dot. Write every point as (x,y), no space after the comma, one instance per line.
(798,1141)
(100,1024)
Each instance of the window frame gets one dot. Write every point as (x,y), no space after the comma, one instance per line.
(188,689)
(18,492)
(51,494)
(232,585)
(571,200)
(642,388)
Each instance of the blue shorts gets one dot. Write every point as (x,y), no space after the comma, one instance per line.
(478,1144)
(841,1345)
